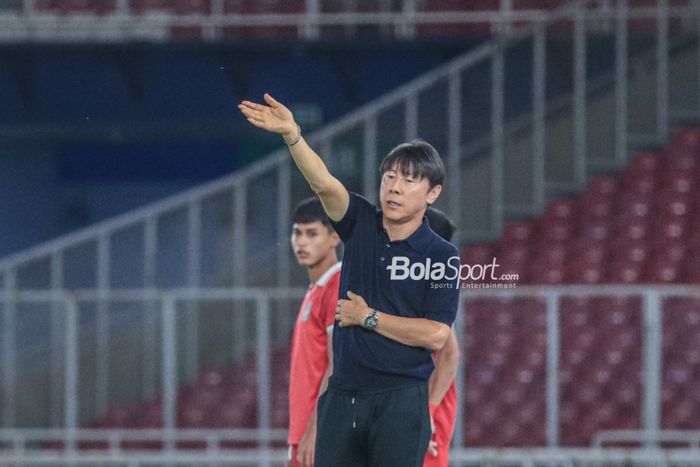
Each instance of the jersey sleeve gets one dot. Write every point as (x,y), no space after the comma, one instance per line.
(442,299)
(359,209)
(329,302)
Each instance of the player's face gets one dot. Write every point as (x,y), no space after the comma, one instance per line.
(313,242)
(404,197)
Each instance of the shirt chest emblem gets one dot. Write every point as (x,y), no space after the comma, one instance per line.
(306,312)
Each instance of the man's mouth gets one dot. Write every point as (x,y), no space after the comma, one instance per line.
(393,204)
(302,254)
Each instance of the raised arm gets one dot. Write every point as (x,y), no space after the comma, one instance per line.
(276,118)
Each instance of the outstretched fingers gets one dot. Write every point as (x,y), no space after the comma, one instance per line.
(252,105)
(254,122)
(251,113)
(271,101)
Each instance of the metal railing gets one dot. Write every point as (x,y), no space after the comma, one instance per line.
(256,324)
(689,439)
(461,457)
(119,21)
(78,445)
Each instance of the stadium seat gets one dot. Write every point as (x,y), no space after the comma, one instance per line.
(148,6)
(519,231)
(117,416)
(603,185)
(639,226)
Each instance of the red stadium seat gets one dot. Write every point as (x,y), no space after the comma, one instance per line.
(515,253)
(82,7)
(556,229)
(590,251)
(661,271)
(603,185)
(478,254)
(597,229)
(560,209)
(687,139)
(519,231)
(42,5)
(150,415)
(117,416)
(585,272)
(634,205)
(456,28)
(639,182)
(149,6)
(645,162)
(683,160)
(192,7)
(596,207)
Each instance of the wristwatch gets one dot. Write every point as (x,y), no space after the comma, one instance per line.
(371,320)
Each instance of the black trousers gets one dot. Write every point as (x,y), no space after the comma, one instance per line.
(384,428)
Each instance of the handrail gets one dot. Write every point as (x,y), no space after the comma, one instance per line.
(509,456)
(248,293)
(692,438)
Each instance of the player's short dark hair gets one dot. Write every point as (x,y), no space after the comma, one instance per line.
(311,210)
(440,223)
(416,159)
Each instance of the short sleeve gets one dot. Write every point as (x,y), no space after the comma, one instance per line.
(358,208)
(329,302)
(442,297)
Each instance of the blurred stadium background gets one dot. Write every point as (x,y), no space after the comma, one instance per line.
(148,290)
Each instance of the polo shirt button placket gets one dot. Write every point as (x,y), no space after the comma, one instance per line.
(382,258)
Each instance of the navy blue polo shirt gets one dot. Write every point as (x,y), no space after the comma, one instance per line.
(379,271)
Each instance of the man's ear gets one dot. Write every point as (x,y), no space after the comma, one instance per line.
(335,239)
(434,193)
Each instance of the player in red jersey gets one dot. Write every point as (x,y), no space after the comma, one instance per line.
(314,242)
(443,392)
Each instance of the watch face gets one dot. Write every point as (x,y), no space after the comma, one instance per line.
(371,321)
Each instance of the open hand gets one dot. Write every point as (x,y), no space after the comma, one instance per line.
(273,117)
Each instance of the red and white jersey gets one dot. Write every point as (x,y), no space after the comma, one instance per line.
(309,360)
(444,417)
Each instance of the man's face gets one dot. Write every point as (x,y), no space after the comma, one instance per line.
(403,196)
(312,242)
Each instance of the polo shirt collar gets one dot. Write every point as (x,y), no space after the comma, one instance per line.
(418,240)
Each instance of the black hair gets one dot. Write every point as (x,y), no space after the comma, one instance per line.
(440,223)
(311,210)
(416,159)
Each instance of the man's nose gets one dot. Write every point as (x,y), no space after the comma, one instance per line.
(394,186)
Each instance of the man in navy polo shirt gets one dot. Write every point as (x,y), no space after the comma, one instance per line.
(398,300)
